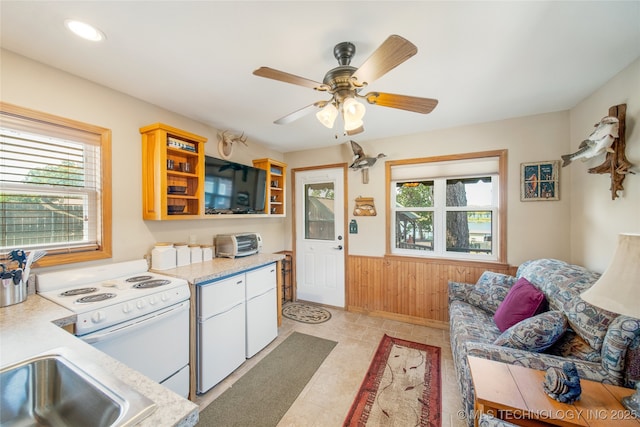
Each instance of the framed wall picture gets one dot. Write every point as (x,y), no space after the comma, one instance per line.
(539,181)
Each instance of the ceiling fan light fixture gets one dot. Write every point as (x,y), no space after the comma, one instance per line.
(351,125)
(355,131)
(353,110)
(344,83)
(327,116)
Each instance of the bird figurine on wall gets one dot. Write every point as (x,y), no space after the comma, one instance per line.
(598,142)
(362,162)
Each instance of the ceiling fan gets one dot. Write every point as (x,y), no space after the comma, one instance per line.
(345,82)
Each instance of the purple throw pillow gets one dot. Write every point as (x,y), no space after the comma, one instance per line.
(523,301)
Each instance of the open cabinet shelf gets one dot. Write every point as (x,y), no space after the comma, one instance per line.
(276,184)
(172,173)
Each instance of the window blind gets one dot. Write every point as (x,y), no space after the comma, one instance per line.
(49,186)
(445,169)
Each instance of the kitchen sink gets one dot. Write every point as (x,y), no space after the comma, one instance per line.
(50,390)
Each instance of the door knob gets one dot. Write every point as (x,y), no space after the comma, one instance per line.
(339,247)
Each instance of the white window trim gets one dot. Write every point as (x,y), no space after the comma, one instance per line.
(433,164)
(104,238)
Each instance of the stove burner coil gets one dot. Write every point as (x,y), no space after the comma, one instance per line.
(151,284)
(138,278)
(78,291)
(95,298)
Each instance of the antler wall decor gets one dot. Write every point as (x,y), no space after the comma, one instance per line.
(231,138)
(226,141)
(616,162)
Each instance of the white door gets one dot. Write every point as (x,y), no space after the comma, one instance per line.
(320,254)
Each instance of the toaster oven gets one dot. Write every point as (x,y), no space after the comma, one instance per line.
(237,244)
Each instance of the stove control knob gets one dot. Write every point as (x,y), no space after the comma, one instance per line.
(126,308)
(140,304)
(98,317)
(152,300)
(164,297)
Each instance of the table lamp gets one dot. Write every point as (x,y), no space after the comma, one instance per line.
(618,291)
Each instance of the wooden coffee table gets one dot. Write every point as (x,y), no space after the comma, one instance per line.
(515,393)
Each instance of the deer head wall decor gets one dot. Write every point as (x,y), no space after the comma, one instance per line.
(226,141)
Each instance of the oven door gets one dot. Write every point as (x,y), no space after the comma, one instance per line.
(156,345)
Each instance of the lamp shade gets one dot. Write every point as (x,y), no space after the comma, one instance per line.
(352,110)
(327,116)
(350,125)
(618,289)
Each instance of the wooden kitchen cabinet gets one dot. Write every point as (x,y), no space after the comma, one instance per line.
(172,173)
(276,180)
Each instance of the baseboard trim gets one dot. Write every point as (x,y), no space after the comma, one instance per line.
(401,318)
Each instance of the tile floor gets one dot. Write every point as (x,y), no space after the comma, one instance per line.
(326,399)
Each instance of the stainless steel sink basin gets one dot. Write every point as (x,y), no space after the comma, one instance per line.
(50,390)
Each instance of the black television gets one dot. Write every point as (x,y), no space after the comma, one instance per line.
(233,188)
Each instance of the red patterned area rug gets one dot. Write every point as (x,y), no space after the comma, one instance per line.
(401,388)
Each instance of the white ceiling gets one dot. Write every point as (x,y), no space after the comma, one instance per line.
(483,61)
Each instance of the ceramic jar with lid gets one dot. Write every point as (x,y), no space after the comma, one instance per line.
(163,256)
(183,254)
(207,253)
(196,253)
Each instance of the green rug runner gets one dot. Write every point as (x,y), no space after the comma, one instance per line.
(262,396)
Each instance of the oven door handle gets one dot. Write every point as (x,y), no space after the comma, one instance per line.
(130,327)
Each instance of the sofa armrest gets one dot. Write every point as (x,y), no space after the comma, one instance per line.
(622,334)
(459,291)
(487,293)
(540,361)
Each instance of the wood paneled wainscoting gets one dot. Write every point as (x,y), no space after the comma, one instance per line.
(412,290)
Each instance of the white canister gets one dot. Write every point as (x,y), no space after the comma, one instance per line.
(163,256)
(207,253)
(183,255)
(196,253)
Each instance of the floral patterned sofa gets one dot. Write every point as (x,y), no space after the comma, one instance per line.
(604,346)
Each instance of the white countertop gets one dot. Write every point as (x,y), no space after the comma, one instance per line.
(220,267)
(33,327)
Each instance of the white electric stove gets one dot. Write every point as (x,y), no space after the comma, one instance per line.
(136,316)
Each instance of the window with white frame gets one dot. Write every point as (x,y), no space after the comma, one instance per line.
(53,194)
(447,206)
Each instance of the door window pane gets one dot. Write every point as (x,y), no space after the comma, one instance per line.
(319,211)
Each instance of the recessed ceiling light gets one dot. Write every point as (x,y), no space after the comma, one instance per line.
(84,30)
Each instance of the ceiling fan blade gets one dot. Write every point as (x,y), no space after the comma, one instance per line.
(292,117)
(274,74)
(391,53)
(402,102)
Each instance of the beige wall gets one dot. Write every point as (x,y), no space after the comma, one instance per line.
(581,227)
(596,219)
(535,229)
(33,85)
